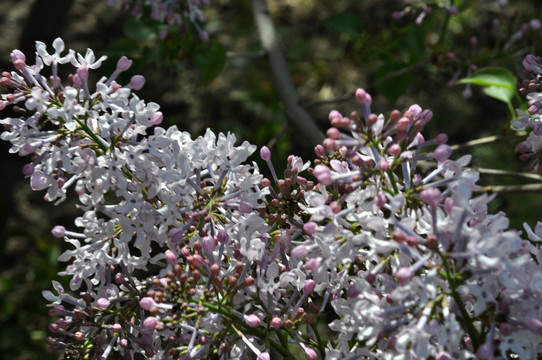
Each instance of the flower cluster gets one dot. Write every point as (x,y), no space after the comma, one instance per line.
(185,250)
(171,13)
(531,148)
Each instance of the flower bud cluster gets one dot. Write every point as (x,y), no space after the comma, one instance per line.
(171,13)
(186,251)
(531,149)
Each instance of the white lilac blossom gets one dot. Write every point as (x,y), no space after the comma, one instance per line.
(169,12)
(184,250)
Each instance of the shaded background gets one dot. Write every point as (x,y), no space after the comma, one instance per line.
(332,47)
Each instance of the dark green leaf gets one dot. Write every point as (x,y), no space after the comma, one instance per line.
(396,86)
(122,47)
(141,30)
(211,63)
(346,23)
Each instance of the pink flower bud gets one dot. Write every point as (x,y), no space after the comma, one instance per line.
(335,206)
(208,243)
(443,356)
(79,336)
(150,322)
(431,196)
(426,116)
(402,124)
(146,303)
(323,175)
(319,151)
(333,133)
(309,286)
(300,180)
(28,169)
(124,64)
(276,323)
(415,111)
(442,139)
(383,165)
(363,97)
(265,153)
(329,144)
(310,227)
(404,275)
(171,258)
(263,356)
(312,264)
(58,231)
(102,304)
(57,310)
(119,278)
(222,236)
(380,200)
(252,320)
(197,260)
(176,235)
(395,149)
(17,55)
(334,114)
(136,82)
(300,251)
(534,325)
(442,152)
(76,80)
(245,207)
(310,354)
(116,328)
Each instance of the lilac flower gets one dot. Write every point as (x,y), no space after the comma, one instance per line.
(209,258)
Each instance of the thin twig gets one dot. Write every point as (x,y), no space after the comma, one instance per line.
(508,173)
(343,98)
(400,72)
(511,189)
(246,54)
(277,136)
(296,114)
(348,97)
(484,141)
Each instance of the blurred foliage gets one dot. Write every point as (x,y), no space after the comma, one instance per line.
(332,48)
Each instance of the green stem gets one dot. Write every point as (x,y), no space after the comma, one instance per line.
(92,135)
(466,320)
(445,26)
(321,346)
(392,181)
(283,350)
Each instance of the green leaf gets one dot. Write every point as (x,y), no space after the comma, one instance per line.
(211,63)
(346,23)
(396,86)
(497,82)
(139,29)
(122,47)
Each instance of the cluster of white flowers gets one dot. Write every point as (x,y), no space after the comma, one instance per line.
(170,12)
(186,251)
